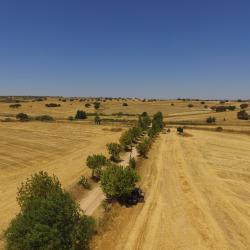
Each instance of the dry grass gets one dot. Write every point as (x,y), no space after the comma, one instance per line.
(196,185)
(60,149)
(197,196)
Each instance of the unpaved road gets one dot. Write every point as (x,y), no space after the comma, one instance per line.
(197,196)
(95,197)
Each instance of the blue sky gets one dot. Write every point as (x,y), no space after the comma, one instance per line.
(162,49)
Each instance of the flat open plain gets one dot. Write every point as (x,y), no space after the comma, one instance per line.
(197,196)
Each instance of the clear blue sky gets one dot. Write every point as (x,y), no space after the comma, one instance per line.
(164,49)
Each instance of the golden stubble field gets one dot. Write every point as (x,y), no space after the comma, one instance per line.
(58,148)
(197,188)
(69,108)
(197,196)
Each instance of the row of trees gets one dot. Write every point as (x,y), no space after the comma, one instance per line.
(118,182)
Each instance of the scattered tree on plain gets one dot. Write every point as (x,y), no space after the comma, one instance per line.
(80,115)
(243,115)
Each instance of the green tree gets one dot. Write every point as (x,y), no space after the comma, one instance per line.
(95,163)
(143,147)
(144,121)
(49,218)
(80,115)
(114,150)
(126,140)
(243,115)
(118,182)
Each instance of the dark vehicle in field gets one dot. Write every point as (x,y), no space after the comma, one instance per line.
(136,196)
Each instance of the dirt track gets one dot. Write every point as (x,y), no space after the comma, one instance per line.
(95,197)
(197,196)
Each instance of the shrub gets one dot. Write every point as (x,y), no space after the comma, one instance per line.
(49,218)
(80,115)
(242,115)
(132,163)
(219,129)
(87,105)
(211,119)
(180,130)
(22,117)
(244,106)
(202,102)
(190,105)
(124,104)
(220,109)
(118,182)
(52,105)
(231,107)
(97,105)
(84,182)
(44,118)
(15,105)
(114,150)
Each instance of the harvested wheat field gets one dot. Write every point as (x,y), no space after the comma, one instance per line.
(58,148)
(197,196)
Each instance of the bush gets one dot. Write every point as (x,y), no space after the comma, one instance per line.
(87,105)
(84,182)
(242,115)
(125,104)
(44,118)
(80,115)
(114,150)
(244,106)
(231,107)
(15,105)
(118,182)
(219,129)
(132,163)
(190,105)
(97,105)
(220,109)
(211,119)
(52,105)
(22,117)
(49,218)
(180,130)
